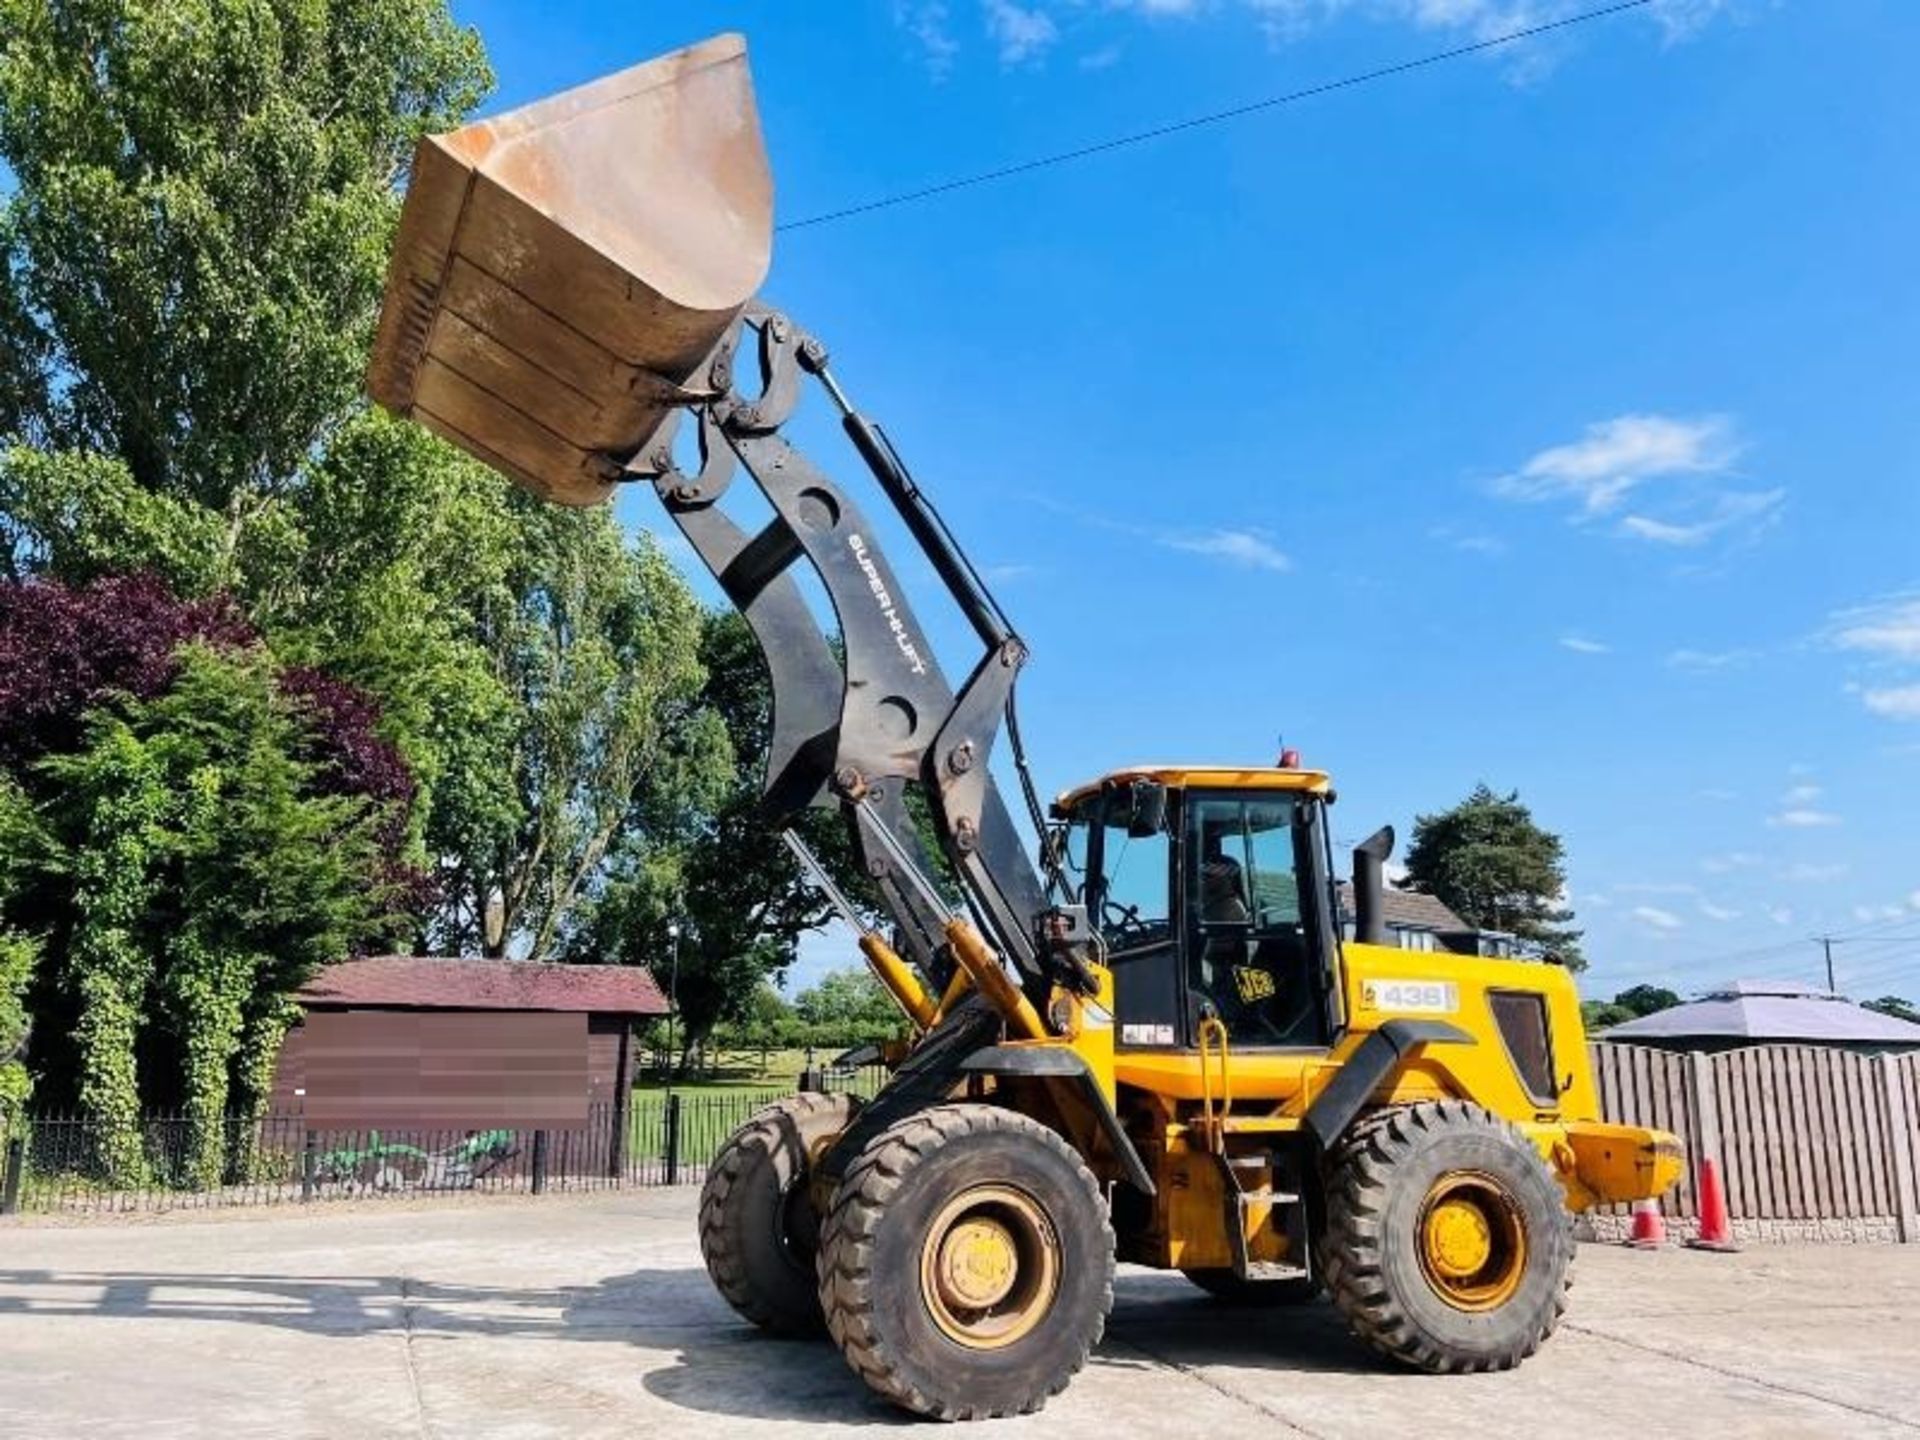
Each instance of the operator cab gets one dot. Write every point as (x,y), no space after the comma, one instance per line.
(1211,891)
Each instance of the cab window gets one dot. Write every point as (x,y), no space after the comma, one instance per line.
(1130,902)
(1135,889)
(1253,953)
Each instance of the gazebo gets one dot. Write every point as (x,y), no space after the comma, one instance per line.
(1769,1012)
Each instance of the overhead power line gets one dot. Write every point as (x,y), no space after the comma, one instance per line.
(1217,117)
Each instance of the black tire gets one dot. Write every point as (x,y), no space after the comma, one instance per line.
(884,1250)
(758,1228)
(1376,1261)
(1229,1289)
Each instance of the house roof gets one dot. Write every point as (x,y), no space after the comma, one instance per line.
(412,982)
(1770,1010)
(1408,910)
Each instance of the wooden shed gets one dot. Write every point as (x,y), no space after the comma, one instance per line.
(405,1043)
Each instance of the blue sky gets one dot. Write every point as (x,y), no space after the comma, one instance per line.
(1544,418)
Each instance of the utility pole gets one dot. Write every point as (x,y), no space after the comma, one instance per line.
(1826,946)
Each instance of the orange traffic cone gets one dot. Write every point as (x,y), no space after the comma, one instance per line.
(1649,1228)
(1716,1228)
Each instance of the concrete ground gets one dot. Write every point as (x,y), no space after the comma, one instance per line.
(589,1316)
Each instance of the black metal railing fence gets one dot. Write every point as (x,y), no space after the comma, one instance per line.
(63,1163)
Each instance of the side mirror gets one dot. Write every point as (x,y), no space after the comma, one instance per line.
(1146,808)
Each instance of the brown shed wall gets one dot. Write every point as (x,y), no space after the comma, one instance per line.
(429,1070)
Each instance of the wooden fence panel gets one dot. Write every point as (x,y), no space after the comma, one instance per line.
(1802,1133)
(1902,1075)
(1805,1133)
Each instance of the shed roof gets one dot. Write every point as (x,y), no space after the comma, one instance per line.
(1408,909)
(1770,1010)
(413,982)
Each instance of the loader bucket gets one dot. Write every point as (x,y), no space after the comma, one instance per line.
(560,270)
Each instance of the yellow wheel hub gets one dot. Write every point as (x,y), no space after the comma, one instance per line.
(1459,1240)
(1473,1242)
(977,1263)
(990,1266)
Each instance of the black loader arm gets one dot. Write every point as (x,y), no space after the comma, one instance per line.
(856,731)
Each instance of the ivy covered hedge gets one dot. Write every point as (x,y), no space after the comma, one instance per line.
(189,831)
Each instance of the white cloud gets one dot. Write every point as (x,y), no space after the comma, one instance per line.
(1656,918)
(1889,628)
(1615,457)
(1683,19)
(926,24)
(1580,645)
(1679,20)
(1009,572)
(1474,542)
(1801,795)
(1864,913)
(1022,34)
(1900,702)
(1801,819)
(1717,912)
(1702,661)
(1725,511)
(1810,874)
(1735,860)
(1657,887)
(1913,901)
(1780,914)
(1671,464)
(1250,548)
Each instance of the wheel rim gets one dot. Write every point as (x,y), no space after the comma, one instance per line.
(990,1266)
(1472,1241)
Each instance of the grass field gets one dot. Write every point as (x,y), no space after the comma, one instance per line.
(738,1071)
(714,1104)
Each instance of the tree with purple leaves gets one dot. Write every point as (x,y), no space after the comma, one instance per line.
(62,648)
(192,831)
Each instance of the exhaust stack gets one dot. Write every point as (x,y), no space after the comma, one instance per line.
(1369,886)
(562,269)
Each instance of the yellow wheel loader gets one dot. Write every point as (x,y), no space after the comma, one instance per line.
(1150,1043)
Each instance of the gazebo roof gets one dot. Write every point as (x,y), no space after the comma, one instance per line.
(1761,1010)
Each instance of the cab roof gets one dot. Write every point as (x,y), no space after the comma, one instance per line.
(1206,777)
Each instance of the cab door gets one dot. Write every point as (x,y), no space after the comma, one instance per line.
(1257,928)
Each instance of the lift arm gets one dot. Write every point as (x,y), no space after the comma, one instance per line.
(855,730)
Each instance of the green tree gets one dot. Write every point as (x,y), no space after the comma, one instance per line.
(192,262)
(19,953)
(848,1006)
(1600,1014)
(703,856)
(208,874)
(1898,1008)
(196,245)
(1641,1000)
(1493,866)
(1629,1004)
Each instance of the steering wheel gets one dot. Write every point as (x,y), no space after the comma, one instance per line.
(1122,918)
